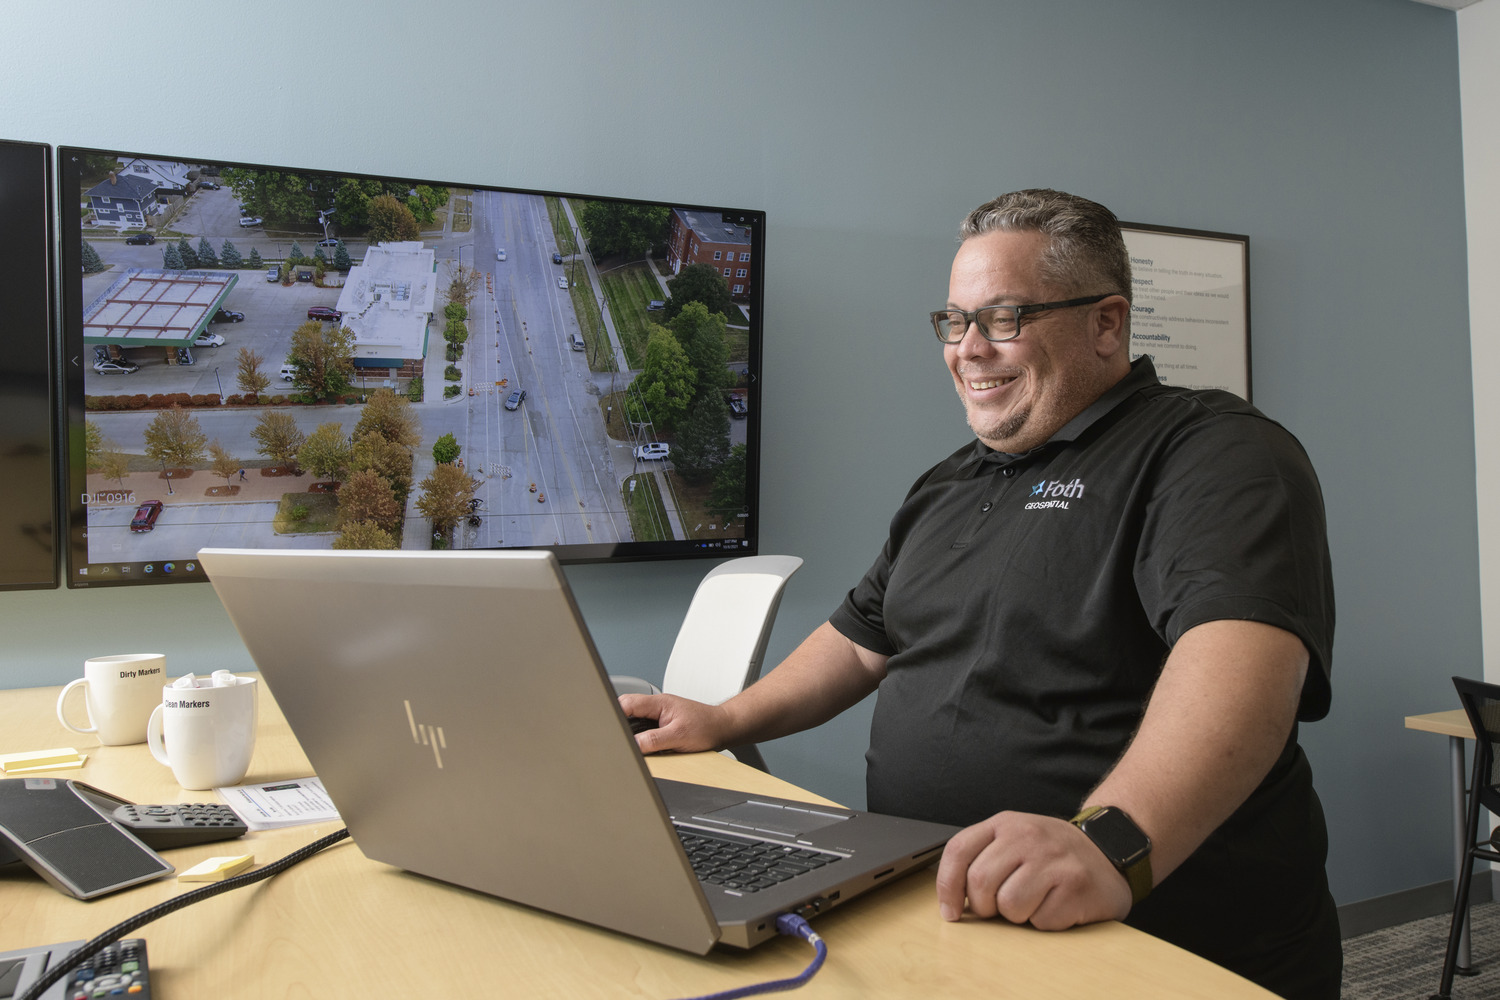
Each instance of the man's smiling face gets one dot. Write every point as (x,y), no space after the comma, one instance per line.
(1018,393)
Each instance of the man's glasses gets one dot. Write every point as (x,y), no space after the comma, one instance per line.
(998,322)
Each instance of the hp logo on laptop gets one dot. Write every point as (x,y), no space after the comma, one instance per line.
(426,735)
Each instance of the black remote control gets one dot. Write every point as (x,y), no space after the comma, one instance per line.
(119,970)
(180,825)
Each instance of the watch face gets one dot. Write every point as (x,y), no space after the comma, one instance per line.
(1117,836)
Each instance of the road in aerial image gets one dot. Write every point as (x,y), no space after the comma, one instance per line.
(549,474)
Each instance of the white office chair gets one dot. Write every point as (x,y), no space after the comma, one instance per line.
(723,638)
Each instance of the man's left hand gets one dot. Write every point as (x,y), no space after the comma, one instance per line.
(1029,868)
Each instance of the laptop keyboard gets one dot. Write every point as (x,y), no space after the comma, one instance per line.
(744,864)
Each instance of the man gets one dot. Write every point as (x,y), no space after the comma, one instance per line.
(1093,630)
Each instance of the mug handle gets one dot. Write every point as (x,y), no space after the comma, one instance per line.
(63,718)
(153,737)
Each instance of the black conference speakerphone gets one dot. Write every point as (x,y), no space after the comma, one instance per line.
(86,842)
(163,827)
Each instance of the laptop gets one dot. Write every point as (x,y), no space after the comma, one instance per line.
(458,715)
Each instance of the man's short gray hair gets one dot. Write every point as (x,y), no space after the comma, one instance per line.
(1085,253)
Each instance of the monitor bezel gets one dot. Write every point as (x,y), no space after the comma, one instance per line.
(32,360)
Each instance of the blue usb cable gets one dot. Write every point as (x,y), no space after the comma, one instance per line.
(793,926)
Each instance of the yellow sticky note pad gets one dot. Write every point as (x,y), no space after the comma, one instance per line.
(217,869)
(36,759)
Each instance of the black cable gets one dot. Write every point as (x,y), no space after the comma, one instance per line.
(115,933)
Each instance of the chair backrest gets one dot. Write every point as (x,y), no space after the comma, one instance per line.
(723,638)
(1481,704)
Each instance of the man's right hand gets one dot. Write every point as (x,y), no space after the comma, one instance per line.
(822,677)
(682,724)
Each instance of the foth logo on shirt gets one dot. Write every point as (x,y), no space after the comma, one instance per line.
(1055,493)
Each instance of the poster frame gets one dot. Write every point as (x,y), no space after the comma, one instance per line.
(1186,240)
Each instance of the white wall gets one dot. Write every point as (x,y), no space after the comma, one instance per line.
(1479,82)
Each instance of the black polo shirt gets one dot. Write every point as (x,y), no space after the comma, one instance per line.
(1027,604)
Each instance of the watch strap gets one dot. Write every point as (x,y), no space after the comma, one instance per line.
(1137,873)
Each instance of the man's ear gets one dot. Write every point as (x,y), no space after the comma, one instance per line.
(1111,327)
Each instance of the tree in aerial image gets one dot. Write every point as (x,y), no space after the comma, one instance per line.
(92,262)
(391,220)
(278,437)
(629,230)
(325,452)
(221,462)
(248,376)
(446,493)
(388,460)
(392,417)
(367,498)
(364,535)
(663,391)
(701,334)
(323,357)
(702,438)
(175,438)
(445,450)
(727,498)
(103,456)
(698,283)
(279,197)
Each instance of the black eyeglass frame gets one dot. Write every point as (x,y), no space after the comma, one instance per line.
(970,318)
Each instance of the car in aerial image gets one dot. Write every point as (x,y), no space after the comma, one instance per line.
(500,254)
(324,312)
(562,282)
(208,186)
(273,273)
(209,340)
(250,220)
(514,400)
(557,258)
(146,515)
(656,305)
(328,244)
(227,316)
(141,239)
(115,367)
(652,450)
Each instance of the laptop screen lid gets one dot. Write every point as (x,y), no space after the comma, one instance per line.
(457,712)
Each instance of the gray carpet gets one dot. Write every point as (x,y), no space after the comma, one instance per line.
(1406,961)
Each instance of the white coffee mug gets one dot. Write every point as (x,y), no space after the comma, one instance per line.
(121,691)
(204,729)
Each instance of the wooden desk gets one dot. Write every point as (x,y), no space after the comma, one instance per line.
(1453,724)
(338,923)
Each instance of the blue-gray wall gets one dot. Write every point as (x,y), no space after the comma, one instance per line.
(1327,130)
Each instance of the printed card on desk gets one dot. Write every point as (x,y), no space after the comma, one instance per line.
(295,802)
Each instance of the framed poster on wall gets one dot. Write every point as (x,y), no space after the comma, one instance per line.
(1191,308)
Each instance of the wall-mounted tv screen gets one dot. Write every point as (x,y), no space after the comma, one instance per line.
(272,356)
(28,479)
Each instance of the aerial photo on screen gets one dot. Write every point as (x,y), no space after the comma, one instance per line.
(294,359)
